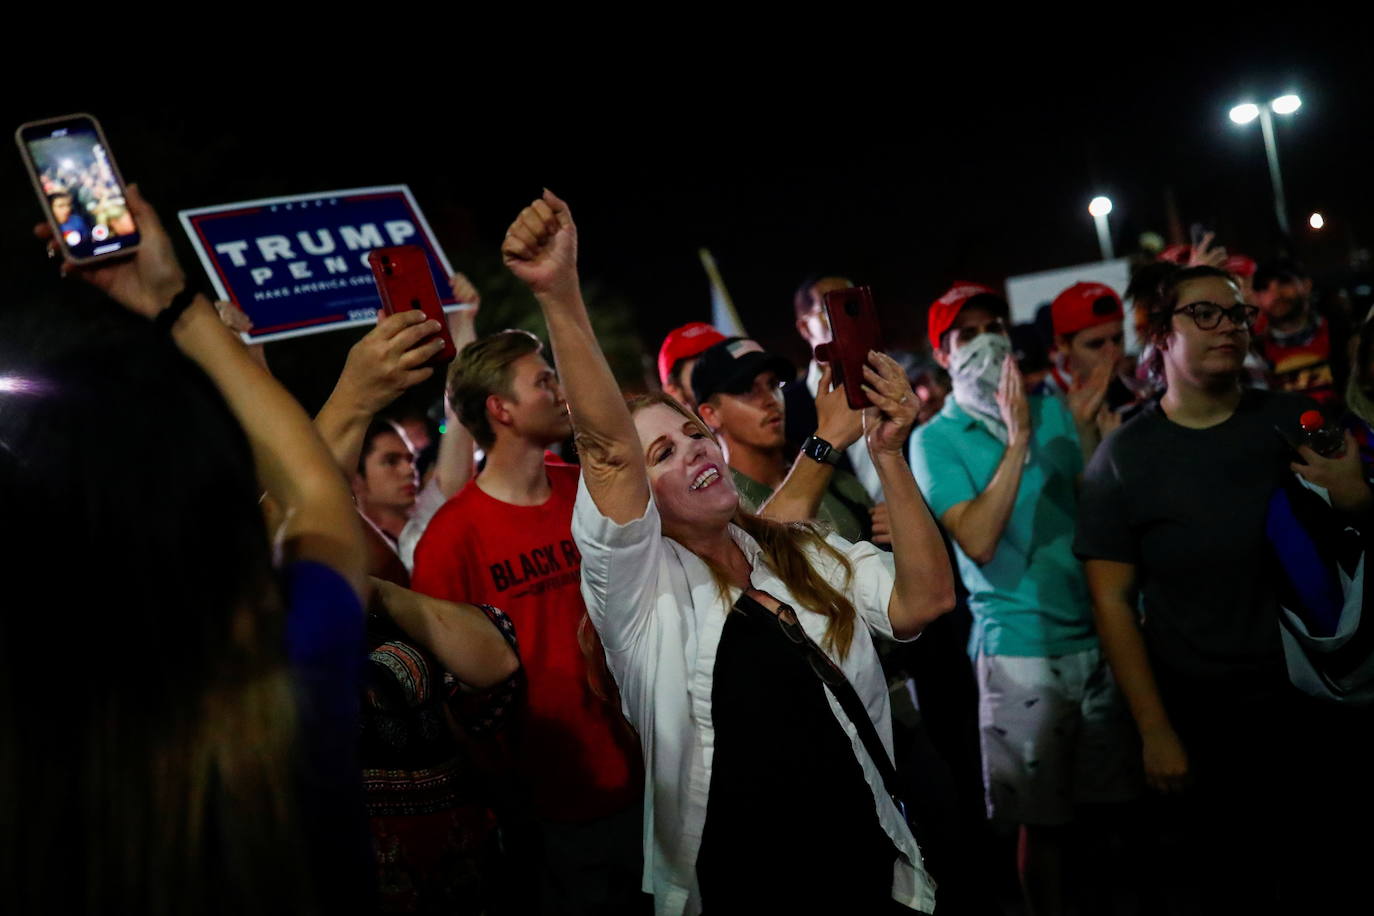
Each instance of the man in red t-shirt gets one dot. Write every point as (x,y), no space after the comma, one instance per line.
(505,539)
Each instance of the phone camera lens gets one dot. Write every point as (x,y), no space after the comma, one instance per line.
(851,308)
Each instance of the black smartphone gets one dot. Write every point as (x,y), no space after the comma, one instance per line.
(79,187)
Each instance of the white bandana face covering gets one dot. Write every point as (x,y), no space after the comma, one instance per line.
(975,370)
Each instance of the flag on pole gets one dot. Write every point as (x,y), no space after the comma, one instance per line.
(723,314)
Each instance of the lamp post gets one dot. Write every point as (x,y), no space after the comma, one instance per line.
(1099,207)
(1249,111)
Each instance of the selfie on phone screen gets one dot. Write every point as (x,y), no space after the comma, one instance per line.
(80,187)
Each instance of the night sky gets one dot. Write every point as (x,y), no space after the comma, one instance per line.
(906,175)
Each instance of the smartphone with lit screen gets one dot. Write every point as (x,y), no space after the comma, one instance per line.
(79,186)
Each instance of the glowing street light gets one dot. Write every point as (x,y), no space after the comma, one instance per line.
(1246,112)
(1316,221)
(1099,207)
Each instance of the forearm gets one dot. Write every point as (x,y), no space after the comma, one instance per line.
(980,526)
(342,425)
(924,587)
(798,499)
(1124,646)
(291,461)
(460,636)
(613,463)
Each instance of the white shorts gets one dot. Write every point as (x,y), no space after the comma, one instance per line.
(1054,733)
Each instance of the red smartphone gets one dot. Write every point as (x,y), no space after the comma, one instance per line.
(405,282)
(79,187)
(854,331)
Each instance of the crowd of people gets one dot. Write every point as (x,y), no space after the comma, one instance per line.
(351,664)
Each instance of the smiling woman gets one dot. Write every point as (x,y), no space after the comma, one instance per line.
(735,640)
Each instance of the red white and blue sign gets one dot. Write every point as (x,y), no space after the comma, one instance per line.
(298,265)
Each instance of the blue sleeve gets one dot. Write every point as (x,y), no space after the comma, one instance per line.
(941,475)
(326,650)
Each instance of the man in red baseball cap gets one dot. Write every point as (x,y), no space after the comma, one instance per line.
(678,355)
(1089,331)
(998,468)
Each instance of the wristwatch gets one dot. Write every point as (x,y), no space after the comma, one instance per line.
(817,449)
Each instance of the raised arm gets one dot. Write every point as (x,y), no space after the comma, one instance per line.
(799,497)
(1112,585)
(384,363)
(453,466)
(924,586)
(977,524)
(541,249)
(292,463)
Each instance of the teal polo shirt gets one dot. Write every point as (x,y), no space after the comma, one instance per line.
(1031,599)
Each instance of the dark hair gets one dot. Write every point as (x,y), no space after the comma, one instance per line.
(147,727)
(991,302)
(377,427)
(802,298)
(1281,270)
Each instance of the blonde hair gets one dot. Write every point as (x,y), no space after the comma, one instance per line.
(784,550)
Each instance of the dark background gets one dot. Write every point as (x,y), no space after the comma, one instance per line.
(918,168)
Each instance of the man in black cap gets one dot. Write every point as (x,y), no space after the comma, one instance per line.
(738,386)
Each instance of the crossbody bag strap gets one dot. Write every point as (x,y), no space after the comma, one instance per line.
(843,691)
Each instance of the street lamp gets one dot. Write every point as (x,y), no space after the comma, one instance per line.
(1246,112)
(1099,207)
(1316,221)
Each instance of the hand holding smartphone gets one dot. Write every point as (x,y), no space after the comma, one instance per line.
(405,282)
(855,330)
(84,198)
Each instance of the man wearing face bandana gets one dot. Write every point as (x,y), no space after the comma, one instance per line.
(999,469)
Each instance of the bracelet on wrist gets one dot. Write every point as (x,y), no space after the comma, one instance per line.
(165,319)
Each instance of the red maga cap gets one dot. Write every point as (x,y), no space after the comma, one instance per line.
(1083,306)
(944,310)
(684,342)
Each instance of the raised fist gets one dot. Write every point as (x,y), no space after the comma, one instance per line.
(541,247)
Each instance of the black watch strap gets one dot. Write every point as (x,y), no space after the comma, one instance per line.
(818,449)
(164,319)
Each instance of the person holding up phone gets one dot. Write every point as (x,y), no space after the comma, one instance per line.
(766,790)
(999,469)
(741,402)
(205,757)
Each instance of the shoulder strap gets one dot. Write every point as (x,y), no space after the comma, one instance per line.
(834,679)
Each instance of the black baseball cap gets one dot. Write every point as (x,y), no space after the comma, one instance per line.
(731,366)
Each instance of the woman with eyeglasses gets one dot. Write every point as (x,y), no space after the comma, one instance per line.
(1172,534)
(735,640)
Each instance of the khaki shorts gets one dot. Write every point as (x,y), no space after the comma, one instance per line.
(1055,733)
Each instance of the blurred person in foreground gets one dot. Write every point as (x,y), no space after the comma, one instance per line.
(733,637)
(204,761)
(999,469)
(1255,778)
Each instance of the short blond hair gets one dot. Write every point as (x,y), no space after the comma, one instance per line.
(484,369)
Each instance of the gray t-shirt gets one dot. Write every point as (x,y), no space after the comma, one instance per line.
(1187,507)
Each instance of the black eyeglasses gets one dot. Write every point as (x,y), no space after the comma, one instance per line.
(1207,315)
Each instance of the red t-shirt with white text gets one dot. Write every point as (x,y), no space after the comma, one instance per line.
(580,756)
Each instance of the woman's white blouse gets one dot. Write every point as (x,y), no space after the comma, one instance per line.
(660,615)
